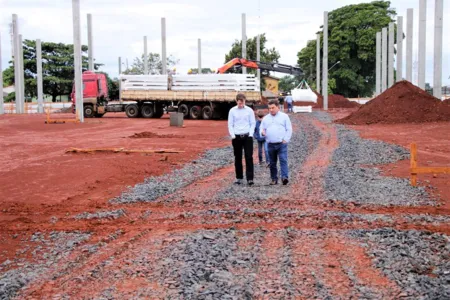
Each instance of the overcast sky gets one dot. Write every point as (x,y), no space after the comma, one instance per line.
(119,27)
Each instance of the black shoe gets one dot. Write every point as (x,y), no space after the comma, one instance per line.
(238,181)
(274,182)
(285,181)
(250,182)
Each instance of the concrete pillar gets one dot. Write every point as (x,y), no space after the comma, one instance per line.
(399,49)
(318,63)
(325,61)
(163,38)
(409,43)
(40,84)
(199,56)
(145,56)
(77,59)
(244,42)
(15,26)
(258,55)
(437,76)
(383,59)
(378,65)
(2,108)
(391,55)
(90,43)
(22,76)
(120,81)
(422,42)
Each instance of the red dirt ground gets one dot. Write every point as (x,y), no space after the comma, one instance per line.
(39,180)
(36,171)
(433,144)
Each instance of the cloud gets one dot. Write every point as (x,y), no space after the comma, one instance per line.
(119,27)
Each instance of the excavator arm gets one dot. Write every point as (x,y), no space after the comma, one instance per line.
(263,66)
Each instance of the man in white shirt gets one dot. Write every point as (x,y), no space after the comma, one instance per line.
(276,127)
(241,126)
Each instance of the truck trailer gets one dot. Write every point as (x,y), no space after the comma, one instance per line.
(208,96)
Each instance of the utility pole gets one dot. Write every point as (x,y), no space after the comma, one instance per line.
(409,43)
(391,55)
(422,42)
(90,43)
(77,60)
(17,84)
(258,55)
(244,43)
(40,92)
(384,59)
(325,61)
(199,56)
(318,63)
(399,48)
(437,76)
(163,37)
(145,56)
(378,65)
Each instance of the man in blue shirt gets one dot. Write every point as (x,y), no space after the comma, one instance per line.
(276,127)
(241,126)
(289,101)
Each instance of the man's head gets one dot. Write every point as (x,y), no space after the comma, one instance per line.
(240,100)
(260,115)
(274,107)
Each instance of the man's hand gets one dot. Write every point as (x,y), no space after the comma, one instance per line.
(284,142)
(263,132)
(233,137)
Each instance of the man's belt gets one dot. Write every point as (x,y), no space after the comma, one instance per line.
(242,135)
(275,143)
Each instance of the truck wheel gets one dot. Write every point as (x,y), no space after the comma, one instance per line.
(88,111)
(183,108)
(207,112)
(147,111)
(195,112)
(132,111)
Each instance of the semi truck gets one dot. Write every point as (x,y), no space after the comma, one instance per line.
(149,96)
(201,96)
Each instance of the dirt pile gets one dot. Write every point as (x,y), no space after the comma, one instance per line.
(402,103)
(446,101)
(334,101)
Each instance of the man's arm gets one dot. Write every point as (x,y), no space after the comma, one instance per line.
(231,124)
(288,127)
(262,127)
(252,122)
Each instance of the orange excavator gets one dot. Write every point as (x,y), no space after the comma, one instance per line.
(237,63)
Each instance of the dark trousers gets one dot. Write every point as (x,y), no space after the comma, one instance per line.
(245,143)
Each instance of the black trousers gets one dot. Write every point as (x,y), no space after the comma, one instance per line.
(245,143)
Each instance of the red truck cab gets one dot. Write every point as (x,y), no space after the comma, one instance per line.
(95,94)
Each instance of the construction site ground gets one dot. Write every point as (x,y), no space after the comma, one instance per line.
(174,226)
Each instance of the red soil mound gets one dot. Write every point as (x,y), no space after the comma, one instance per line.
(402,103)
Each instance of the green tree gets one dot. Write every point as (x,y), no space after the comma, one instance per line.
(57,68)
(154,64)
(351,40)
(288,83)
(267,55)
